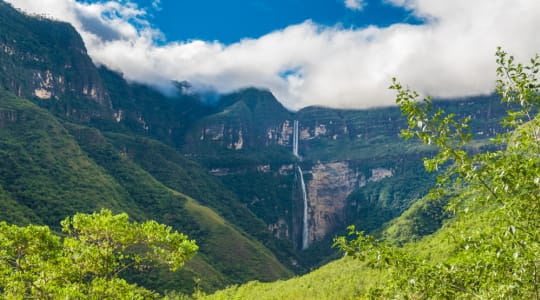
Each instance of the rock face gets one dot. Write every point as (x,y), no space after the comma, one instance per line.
(379,174)
(328,190)
(280,229)
(53,69)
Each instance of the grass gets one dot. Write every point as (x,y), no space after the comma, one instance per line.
(244,257)
(44,170)
(341,279)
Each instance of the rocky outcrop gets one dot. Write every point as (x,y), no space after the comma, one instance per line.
(239,144)
(280,229)
(225,135)
(330,185)
(46,61)
(281,135)
(379,174)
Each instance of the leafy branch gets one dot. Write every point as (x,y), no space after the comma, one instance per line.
(496,241)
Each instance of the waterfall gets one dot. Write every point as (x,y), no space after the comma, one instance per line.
(305,241)
(295,139)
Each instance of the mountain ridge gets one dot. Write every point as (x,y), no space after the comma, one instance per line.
(76,137)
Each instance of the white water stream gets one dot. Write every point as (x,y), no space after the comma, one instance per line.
(295,139)
(305,240)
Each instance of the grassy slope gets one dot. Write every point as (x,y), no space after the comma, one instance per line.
(181,174)
(49,170)
(245,257)
(422,218)
(341,279)
(165,205)
(351,279)
(44,173)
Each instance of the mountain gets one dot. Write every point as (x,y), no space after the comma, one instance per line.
(65,142)
(76,138)
(356,167)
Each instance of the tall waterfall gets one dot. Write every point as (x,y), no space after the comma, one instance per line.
(295,139)
(305,240)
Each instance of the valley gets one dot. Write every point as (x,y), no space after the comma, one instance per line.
(263,190)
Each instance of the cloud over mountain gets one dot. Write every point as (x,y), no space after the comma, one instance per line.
(450,55)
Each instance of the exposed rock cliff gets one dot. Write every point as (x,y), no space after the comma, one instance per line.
(328,189)
(51,65)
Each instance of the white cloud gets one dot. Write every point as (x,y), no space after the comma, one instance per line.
(355,4)
(451,55)
(156,4)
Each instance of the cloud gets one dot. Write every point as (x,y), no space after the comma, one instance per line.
(355,4)
(156,4)
(450,55)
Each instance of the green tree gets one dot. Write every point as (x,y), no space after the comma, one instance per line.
(88,260)
(495,199)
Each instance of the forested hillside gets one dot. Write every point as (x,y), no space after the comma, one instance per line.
(262,191)
(60,156)
(475,236)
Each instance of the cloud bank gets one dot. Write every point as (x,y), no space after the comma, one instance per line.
(450,55)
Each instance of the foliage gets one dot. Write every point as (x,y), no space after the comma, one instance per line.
(424,217)
(497,257)
(48,172)
(181,174)
(86,262)
(44,173)
(337,280)
(379,202)
(155,189)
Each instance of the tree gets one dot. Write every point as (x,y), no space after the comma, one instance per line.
(496,199)
(88,260)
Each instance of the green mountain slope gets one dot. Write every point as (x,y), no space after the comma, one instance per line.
(44,170)
(346,278)
(179,173)
(341,279)
(77,138)
(56,162)
(49,172)
(420,229)
(251,153)
(162,203)
(46,60)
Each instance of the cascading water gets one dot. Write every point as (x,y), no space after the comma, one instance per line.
(295,139)
(305,241)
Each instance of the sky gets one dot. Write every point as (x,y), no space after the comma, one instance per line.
(231,21)
(337,53)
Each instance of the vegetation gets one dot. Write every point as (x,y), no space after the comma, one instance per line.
(497,257)
(42,166)
(224,173)
(485,244)
(89,259)
(181,174)
(163,202)
(336,280)
(50,168)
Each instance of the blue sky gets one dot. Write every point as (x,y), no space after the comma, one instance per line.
(338,53)
(231,21)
